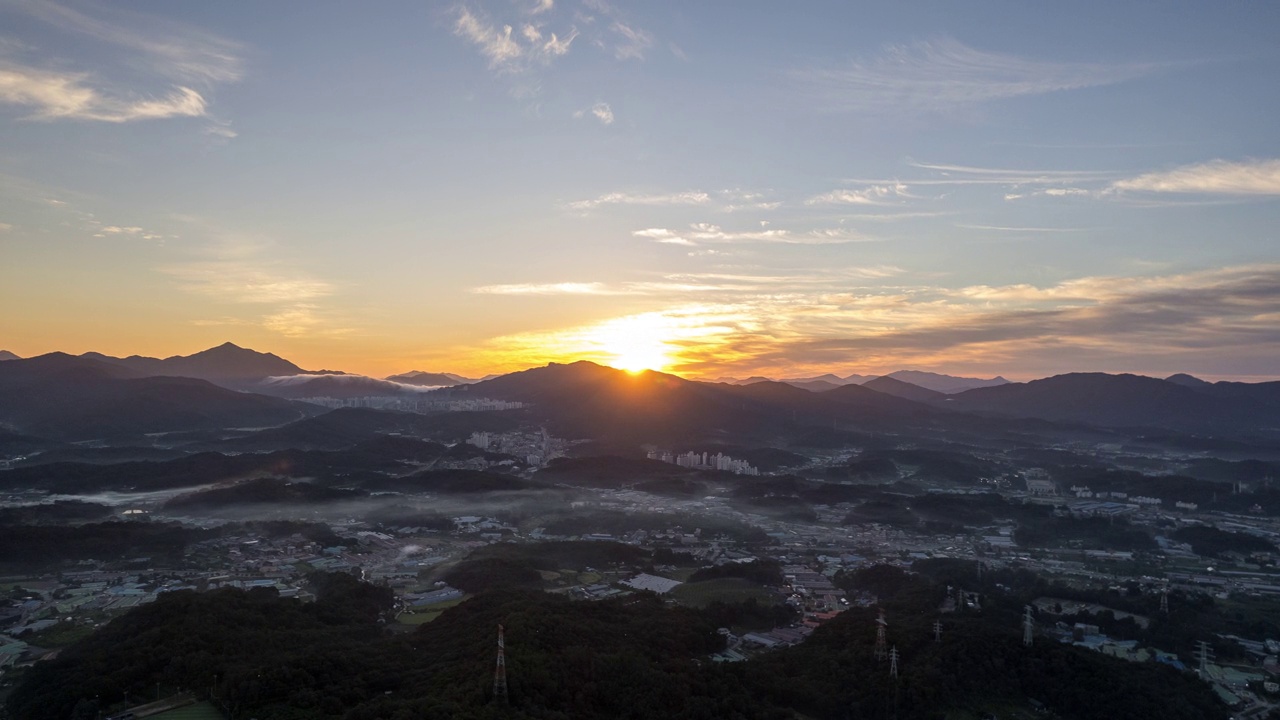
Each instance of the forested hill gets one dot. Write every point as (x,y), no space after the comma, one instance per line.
(261,656)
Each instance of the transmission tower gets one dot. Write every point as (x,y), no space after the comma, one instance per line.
(1164,600)
(1027,625)
(500,671)
(937,631)
(979,572)
(893,662)
(1204,654)
(881,643)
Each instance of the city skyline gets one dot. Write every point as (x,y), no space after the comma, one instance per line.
(724,189)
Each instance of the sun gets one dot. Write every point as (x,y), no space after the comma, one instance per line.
(636,343)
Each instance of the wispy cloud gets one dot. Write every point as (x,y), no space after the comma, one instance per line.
(561,288)
(304,320)
(624,38)
(494,43)
(175,50)
(944,74)
(600,111)
(508,51)
(633,44)
(1022,229)
(704,284)
(245,282)
(781,323)
(740,200)
(55,96)
(700,233)
(691,197)
(873,195)
(1217,177)
(127,231)
(734,200)
(176,64)
(241,271)
(971,175)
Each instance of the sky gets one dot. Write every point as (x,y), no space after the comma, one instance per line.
(720,188)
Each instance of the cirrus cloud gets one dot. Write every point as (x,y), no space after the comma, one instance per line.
(945,74)
(700,233)
(56,96)
(1250,177)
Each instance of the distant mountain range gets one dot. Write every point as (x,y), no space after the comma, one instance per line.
(6,355)
(232,366)
(430,379)
(948,384)
(66,397)
(596,401)
(224,362)
(1133,401)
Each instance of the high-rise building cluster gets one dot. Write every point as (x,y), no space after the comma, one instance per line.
(704,461)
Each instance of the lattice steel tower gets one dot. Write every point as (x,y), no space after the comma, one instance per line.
(882,644)
(1204,654)
(500,671)
(893,662)
(1027,625)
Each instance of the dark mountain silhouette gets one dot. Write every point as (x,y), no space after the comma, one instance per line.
(347,426)
(814,385)
(334,386)
(79,453)
(226,362)
(898,388)
(587,400)
(948,384)
(830,378)
(64,397)
(1265,393)
(1126,401)
(6,355)
(12,443)
(860,396)
(349,467)
(928,380)
(1186,380)
(430,379)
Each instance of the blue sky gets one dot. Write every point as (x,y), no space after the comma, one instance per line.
(723,188)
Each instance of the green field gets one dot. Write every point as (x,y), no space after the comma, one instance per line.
(428,613)
(60,635)
(728,590)
(199,711)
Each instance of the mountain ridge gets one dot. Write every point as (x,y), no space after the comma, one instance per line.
(226,362)
(66,397)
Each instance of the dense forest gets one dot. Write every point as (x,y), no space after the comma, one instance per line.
(28,546)
(258,655)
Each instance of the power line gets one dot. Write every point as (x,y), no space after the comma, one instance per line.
(1028,625)
(500,672)
(881,642)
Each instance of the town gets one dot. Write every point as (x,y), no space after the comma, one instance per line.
(816,553)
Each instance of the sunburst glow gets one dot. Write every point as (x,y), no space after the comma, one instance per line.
(636,343)
(663,340)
